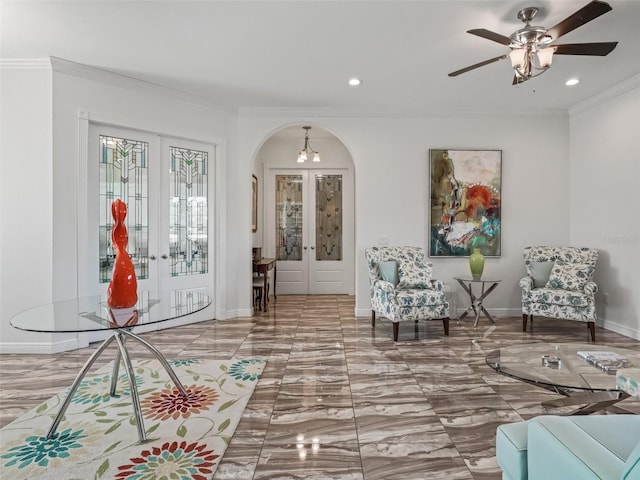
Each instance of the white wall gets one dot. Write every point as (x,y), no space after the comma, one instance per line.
(605,173)
(47,213)
(391,183)
(25,195)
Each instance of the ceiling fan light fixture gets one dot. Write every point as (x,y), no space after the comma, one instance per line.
(545,56)
(532,47)
(518,57)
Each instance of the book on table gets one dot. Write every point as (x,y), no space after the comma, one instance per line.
(607,361)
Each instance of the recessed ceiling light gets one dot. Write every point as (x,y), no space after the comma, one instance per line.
(354,82)
(571,82)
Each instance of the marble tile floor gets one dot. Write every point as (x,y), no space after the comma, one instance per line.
(340,400)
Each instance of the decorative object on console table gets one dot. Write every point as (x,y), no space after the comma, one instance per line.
(465,203)
(122,293)
(476,263)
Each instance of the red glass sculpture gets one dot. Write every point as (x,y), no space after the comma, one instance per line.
(122,294)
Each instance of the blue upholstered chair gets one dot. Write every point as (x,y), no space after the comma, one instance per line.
(558,285)
(402,288)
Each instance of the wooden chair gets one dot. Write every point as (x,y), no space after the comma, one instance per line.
(258,280)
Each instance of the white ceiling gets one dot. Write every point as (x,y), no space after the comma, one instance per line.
(299,54)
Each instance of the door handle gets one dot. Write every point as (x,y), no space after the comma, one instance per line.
(313,248)
(152,257)
(164,256)
(304,247)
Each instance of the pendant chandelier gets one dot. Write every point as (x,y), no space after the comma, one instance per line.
(307,150)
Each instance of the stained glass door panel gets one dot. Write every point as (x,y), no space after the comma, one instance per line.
(188,212)
(123,174)
(328,201)
(289,217)
(309,239)
(185,259)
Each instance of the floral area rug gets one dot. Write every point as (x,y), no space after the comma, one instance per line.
(98,438)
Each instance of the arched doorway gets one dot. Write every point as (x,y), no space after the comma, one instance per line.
(306,212)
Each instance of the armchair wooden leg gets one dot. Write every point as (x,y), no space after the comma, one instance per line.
(373,318)
(395,331)
(445,322)
(525,318)
(592,330)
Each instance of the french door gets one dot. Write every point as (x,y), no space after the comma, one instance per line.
(309,229)
(166,184)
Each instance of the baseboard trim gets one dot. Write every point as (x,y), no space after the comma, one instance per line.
(239,312)
(621,329)
(42,348)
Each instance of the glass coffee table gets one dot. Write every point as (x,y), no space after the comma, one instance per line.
(559,368)
(92,314)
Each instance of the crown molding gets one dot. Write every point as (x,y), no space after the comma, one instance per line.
(25,64)
(108,77)
(384,113)
(606,96)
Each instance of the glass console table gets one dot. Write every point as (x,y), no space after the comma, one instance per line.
(475,302)
(92,314)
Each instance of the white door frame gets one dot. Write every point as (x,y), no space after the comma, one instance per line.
(348,220)
(217,189)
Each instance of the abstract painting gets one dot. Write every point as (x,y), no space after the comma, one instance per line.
(465,202)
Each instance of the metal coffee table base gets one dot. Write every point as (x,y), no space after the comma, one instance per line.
(119,336)
(590,401)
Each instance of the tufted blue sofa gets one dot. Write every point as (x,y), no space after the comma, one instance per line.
(549,447)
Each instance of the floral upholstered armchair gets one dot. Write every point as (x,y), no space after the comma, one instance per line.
(402,288)
(558,285)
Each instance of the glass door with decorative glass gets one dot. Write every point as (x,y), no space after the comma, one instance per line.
(186,261)
(306,228)
(166,184)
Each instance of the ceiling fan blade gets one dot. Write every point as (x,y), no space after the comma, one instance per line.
(489,35)
(477,65)
(600,48)
(585,14)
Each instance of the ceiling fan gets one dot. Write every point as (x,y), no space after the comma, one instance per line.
(532,47)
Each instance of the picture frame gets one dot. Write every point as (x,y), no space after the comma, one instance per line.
(465,202)
(254,203)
